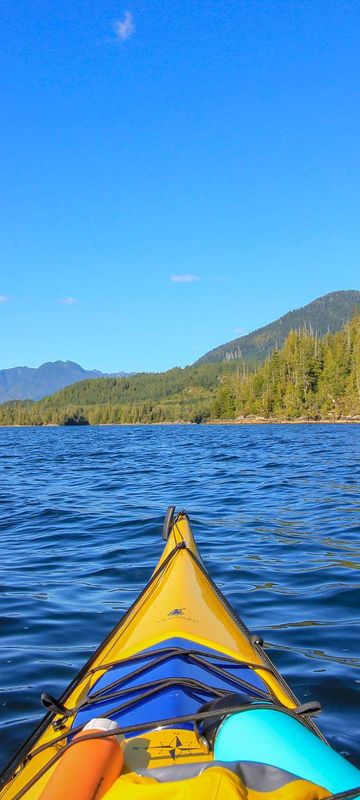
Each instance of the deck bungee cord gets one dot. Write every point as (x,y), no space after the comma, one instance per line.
(192,656)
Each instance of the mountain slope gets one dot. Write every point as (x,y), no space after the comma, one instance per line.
(325,314)
(27,383)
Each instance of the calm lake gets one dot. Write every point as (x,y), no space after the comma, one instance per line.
(276,513)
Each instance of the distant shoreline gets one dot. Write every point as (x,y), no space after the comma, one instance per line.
(250,420)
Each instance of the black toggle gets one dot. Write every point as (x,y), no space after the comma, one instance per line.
(52,704)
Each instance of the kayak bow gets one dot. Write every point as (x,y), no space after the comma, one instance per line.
(176,671)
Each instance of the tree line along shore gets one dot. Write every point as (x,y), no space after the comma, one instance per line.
(308,379)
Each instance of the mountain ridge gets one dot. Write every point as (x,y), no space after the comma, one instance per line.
(34,383)
(308,379)
(326,314)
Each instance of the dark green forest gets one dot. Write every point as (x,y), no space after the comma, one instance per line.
(308,378)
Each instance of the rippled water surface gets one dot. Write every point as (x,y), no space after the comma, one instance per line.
(276,512)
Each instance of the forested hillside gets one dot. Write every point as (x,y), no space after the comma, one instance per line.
(308,378)
(326,314)
(178,394)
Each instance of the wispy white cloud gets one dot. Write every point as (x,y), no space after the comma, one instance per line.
(125,27)
(4,298)
(185,278)
(68,301)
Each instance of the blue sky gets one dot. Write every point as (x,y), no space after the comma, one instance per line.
(214,141)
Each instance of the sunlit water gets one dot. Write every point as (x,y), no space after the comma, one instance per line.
(276,512)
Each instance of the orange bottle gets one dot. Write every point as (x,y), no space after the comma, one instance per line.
(87,769)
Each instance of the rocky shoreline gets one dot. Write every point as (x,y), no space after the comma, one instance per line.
(255,420)
(250,420)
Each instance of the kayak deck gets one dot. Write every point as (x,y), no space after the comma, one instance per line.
(179,646)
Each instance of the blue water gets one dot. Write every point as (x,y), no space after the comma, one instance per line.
(276,512)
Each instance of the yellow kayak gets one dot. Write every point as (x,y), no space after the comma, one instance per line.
(185,689)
